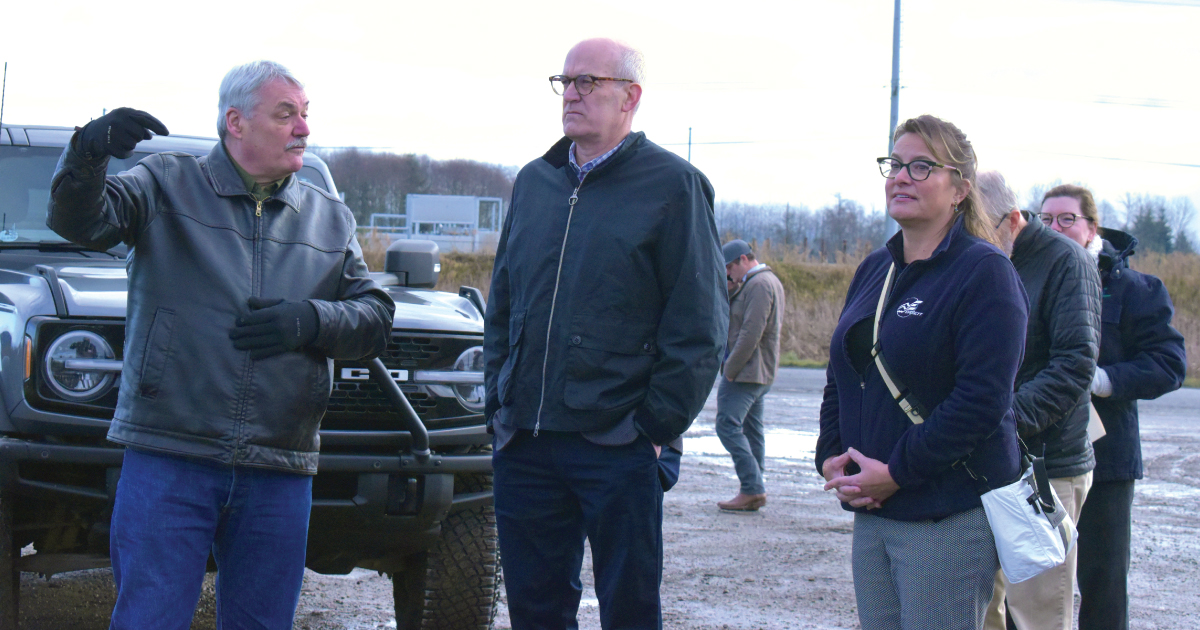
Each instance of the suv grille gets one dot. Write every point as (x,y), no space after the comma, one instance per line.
(361,405)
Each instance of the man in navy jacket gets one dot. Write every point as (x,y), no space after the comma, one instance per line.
(605,328)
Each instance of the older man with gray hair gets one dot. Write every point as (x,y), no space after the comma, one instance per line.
(246,283)
(604,332)
(1062,340)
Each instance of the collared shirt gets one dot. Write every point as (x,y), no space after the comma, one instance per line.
(593,163)
(256,190)
(752,270)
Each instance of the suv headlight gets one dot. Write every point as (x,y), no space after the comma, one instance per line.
(78,366)
(471,395)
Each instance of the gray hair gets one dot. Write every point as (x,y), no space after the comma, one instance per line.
(631,63)
(998,199)
(241,85)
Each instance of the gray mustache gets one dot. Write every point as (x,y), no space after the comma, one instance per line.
(298,142)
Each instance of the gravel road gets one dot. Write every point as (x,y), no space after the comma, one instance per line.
(786,566)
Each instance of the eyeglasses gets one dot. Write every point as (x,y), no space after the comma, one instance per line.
(1065,220)
(918,170)
(584,83)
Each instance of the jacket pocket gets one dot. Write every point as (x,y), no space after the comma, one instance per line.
(156,353)
(608,362)
(516,326)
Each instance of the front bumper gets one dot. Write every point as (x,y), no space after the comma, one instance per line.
(368,506)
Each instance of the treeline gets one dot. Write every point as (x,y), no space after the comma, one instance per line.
(845,228)
(379,182)
(827,234)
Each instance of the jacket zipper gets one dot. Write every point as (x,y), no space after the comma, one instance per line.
(239,440)
(554,299)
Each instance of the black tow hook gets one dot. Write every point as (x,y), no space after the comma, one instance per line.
(420,436)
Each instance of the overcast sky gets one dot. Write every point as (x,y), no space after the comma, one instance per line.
(787,101)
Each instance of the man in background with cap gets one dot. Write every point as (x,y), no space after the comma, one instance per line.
(755,316)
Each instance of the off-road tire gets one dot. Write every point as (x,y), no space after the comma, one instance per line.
(460,584)
(10,578)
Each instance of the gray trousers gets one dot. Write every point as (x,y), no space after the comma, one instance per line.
(740,427)
(923,575)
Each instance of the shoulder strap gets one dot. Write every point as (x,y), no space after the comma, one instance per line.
(908,403)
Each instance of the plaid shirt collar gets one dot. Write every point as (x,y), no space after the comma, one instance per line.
(580,171)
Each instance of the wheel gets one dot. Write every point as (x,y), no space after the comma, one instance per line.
(455,585)
(10,577)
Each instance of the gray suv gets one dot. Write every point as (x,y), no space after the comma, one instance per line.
(404,482)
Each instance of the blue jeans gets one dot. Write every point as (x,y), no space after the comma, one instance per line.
(170,512)
(740,427)
(553,491)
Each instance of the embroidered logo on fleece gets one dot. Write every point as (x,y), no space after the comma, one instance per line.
(909,308)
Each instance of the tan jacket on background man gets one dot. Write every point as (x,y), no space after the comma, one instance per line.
(755,318)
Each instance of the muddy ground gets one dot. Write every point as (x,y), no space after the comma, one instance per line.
(786,566)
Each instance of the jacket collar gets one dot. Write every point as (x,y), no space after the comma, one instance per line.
(1032,237)
(559,155)
(227,183)
(895,245)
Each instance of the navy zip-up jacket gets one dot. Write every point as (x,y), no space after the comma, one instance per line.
(953,331)
(608,296)
(1142,353)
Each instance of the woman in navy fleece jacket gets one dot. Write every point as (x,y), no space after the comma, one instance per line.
(953,331)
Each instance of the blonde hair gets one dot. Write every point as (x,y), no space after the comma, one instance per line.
(950,145)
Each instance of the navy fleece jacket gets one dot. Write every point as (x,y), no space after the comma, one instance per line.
(953,331)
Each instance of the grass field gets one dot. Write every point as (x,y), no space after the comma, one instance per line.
(815,293)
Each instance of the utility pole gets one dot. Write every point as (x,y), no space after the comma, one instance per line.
(892,226)
(689,145)
(3,91)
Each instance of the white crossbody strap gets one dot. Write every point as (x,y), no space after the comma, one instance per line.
(902,397)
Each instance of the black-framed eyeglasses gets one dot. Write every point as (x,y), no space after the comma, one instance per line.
(584,83)
(918,170)
(1065,219)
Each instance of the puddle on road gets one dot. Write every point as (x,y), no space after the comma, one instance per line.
(781,444)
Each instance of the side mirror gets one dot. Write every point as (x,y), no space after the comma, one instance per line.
(415,262)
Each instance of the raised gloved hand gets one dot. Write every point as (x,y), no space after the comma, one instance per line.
(274,327)
(118,132)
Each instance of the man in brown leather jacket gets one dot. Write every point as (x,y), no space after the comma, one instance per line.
(755,315)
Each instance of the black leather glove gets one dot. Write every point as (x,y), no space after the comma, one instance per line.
(274,327)
(118,132)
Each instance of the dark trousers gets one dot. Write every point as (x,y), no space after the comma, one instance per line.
(553,491)
(171,512)
(1103,571)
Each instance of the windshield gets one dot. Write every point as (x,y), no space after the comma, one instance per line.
(25,174)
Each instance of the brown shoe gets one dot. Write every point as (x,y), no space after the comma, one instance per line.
(744,503)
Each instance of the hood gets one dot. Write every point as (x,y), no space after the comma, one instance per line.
(93,289)
(1118,247)
(427,310)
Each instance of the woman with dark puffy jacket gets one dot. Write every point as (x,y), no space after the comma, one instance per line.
(1141,357)
(953,330)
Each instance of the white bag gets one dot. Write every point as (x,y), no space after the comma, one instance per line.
(1033,532)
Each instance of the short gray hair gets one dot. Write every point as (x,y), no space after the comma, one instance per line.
(631,63)
(241,85)
(998,199)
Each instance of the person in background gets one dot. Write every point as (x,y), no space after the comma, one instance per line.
(1141,357)
(603,335)
(1052,398)
(752,356)
(952,330)
(246,283)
